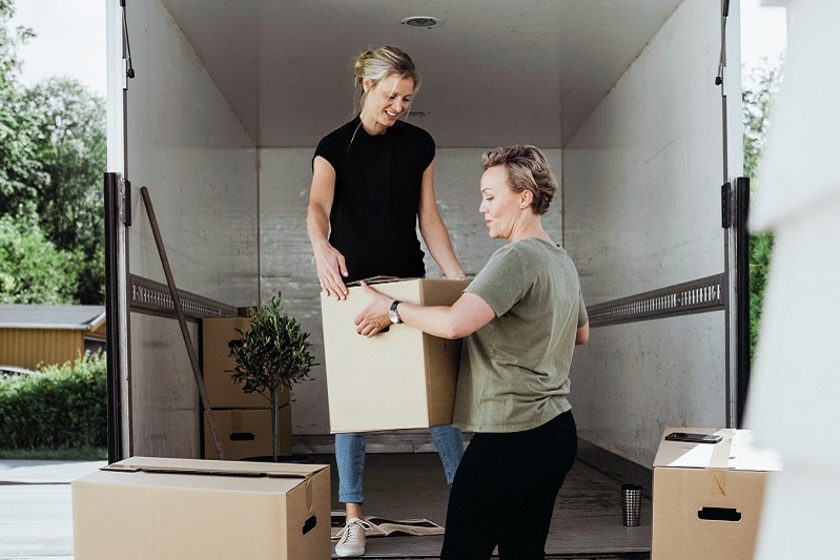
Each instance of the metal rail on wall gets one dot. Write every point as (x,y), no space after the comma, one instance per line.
(153,297)
(696,296)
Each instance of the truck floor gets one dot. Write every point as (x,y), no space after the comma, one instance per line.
(587,522)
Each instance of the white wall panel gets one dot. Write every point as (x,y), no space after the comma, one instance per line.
(164,395)
(286,255)
(642,191)
(185,144)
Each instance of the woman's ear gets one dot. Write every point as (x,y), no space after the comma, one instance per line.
(367,83)
(526,197)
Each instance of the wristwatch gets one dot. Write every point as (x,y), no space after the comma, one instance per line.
(392,313)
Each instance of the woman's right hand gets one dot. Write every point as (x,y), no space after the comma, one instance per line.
(331,270)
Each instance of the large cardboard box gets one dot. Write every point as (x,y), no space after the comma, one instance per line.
(247,432)
(171,509)
(707,497)
(222,392)
(395,380)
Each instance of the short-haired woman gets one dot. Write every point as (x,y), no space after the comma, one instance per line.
(520,318)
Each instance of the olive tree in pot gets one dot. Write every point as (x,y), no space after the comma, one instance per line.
(271,356)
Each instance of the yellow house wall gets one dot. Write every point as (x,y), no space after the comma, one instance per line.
(32,348)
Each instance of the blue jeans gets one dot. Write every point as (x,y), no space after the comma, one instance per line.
(350,458)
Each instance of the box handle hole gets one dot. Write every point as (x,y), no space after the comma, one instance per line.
(310,524)
(719,514)
(242,436)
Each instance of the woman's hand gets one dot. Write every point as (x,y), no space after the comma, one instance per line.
(331,270)
(373,318)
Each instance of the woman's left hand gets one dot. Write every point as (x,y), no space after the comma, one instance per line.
(373,318)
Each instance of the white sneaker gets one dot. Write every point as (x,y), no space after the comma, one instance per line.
(352,541)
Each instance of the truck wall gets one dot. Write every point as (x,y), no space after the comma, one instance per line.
(286,255)
(642,192)
(190,150)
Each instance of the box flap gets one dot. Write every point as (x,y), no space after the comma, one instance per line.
(161,465)
(733,452)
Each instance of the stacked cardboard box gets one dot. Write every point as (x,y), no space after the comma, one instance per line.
(243,420)
(707,497)
(170,509)
(395,380)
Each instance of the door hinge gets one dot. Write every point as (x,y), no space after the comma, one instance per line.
(125,201)
(726,205)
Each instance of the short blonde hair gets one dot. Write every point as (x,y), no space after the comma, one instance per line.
(527,169)
(378,64)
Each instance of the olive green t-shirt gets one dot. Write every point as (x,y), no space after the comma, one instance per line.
(514,373)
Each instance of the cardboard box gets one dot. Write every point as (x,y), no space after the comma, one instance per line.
(707,497)
(222,392)
(247,432)
(144,508)
(395,380)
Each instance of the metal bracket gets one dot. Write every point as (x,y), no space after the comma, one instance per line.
(726,205)
(125,201)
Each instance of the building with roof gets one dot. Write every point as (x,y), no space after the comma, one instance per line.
(32,336)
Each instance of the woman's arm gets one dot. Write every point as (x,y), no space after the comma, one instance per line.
(433,229)
(462,318)
(582,335)
(328,261)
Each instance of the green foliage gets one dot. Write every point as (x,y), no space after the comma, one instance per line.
(32,270)
(761,249)
(759,88)
(52,159)
(63,407)
(71,148)
(19,167)
(273,353)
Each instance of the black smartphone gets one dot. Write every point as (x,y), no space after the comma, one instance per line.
(693,438)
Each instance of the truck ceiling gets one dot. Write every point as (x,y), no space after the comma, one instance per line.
(495,71)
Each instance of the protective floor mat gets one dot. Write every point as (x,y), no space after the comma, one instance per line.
(381,527)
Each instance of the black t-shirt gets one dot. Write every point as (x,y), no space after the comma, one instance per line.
(373,220)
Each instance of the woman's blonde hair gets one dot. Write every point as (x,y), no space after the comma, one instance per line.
(378,64)
(527,169)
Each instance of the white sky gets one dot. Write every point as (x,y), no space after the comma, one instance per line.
(71,38)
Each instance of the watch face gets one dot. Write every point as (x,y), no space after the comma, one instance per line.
(392,313)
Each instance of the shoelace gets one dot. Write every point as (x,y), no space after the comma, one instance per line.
(350,533)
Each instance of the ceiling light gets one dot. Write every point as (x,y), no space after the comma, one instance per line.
(422,22)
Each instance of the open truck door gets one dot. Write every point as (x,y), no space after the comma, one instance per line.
(229,100)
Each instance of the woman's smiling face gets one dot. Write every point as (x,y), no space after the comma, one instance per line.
(387,100)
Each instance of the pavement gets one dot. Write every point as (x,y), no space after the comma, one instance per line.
(36,517)
(46,472)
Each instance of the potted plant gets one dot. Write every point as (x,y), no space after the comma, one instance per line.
(271,356)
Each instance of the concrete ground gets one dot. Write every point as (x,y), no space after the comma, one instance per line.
(36,509)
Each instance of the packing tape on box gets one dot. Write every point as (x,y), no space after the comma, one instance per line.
(718,466)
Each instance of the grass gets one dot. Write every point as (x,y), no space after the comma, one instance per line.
(69,454)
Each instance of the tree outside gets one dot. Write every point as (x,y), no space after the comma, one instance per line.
(52,159)
(759,87)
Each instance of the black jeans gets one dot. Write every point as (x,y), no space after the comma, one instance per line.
(504,492)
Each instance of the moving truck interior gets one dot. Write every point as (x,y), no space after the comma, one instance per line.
(216,107)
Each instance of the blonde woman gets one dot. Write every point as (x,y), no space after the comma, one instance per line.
(372,184)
